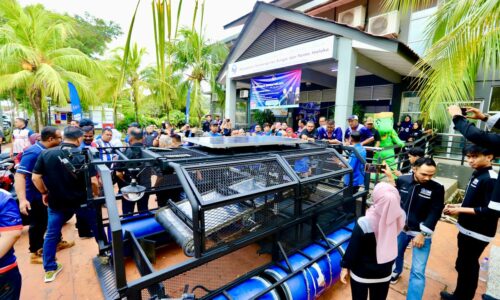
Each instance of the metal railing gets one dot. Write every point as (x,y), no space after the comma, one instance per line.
(401,160)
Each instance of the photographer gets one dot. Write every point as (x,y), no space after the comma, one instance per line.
(63,191)
(481,138)
(162,140)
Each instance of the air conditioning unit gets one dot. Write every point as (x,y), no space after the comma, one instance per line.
(386,24)
(354,17)
(243,93)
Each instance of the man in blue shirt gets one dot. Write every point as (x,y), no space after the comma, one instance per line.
(30,199)
(10,230)
(357,166)
(331,134)
(214,129)
(353,126)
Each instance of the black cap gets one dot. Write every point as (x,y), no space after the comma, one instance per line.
(137,134)
(86,122)
(214,123)
(134,124)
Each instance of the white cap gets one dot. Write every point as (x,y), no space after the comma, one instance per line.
(493,121)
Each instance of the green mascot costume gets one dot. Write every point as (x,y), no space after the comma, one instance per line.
(388,137)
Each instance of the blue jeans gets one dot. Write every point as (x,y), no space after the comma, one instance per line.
(10,284)
(416,284)
(57,218)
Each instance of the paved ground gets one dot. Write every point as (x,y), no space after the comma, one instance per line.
(78,280)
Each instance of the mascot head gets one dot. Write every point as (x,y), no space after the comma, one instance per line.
(384,122)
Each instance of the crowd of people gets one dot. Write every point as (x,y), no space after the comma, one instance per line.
(405,209)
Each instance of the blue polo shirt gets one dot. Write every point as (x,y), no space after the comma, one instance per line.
(358,168)
(348,131)
(214,134)
(323,135)
(10,220)
(26,166)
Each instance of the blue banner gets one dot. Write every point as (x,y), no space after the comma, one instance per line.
(276,91)
(310,111)
(76,108)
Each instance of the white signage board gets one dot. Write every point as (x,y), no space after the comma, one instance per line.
(304,53)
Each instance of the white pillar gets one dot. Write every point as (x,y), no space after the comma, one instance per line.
(346,76)
(230,109)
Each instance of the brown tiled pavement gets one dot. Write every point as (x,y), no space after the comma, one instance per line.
(78,280)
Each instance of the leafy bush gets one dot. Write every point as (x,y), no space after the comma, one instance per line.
(143,121)
(263,116)
(177,118)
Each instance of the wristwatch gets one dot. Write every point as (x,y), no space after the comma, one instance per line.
(425,234)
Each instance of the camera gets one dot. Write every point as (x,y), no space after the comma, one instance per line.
(374,168)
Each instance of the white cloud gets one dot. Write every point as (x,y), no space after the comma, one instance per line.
(217,14)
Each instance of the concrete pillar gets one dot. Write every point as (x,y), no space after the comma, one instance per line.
(230,109)
(346,75)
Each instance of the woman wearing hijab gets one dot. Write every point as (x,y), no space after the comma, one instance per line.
(416,133)
(374,246)
(405,128)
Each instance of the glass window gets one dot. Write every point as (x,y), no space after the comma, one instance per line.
(495,100)
(410,105)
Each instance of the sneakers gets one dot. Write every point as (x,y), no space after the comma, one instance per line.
(395,277)
(447,296)
(51,275)
(36,258)
(65,245)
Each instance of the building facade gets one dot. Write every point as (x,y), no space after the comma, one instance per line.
(351,53)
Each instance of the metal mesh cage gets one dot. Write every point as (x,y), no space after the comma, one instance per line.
(227,223)
(224,181)
(321,175)
(214,274)
(316,164)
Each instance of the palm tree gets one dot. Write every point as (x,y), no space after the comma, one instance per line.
(133,75)
(464,40)
(201,61)
(35,56)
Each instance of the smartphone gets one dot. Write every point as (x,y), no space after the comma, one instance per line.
(464,111)
(374,168)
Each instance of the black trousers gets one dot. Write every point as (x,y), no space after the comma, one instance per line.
(378,291)
(38,225)
(467,266)
(83,225)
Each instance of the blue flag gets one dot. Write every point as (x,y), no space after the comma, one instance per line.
(188,104)
(76,108)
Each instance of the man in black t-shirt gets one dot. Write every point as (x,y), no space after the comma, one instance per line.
(375,142)
(63,191)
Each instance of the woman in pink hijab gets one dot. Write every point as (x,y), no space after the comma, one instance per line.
(374,245)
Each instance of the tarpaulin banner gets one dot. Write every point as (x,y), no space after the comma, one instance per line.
(276,91)
(310,111)
(76,108)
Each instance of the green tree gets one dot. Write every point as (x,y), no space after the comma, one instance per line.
(464,40)
(135,85)
(201,61)
(93,34)
(35,56)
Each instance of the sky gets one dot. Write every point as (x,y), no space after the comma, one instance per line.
(217,14)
